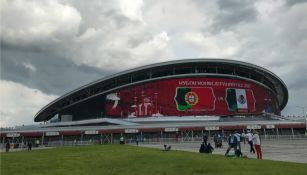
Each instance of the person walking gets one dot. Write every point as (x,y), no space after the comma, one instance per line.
(7,146)
(232,143)
(121,140)
(29,145)
(249,136)
(37,143)
(257,144)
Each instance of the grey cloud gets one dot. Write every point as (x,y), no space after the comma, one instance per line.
(234,12)
(100,15)
(296,79)
(294,2)
(64,62)
(102,41)
(53,74)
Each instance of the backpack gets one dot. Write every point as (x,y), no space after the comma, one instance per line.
(233,140)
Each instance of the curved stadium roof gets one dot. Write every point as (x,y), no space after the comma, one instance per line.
(165,70)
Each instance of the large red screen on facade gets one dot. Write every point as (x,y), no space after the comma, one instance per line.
(190,97)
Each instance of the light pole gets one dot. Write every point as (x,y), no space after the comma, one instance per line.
(303,108)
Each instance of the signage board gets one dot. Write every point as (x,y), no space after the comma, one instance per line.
(12,134)
(171,129)
(131,130)
(54,133)
(91,132)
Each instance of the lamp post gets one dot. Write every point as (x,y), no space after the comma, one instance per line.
(303,108)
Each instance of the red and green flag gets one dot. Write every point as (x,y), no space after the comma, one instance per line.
(194,98)
(240,100)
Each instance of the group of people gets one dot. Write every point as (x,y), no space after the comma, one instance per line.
(22,145)
(253,139)
(205,147)
(234,142)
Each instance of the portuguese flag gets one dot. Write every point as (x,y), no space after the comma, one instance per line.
(194,98)
(240,100)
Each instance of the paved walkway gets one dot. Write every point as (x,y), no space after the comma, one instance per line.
(25,149)
(281,150)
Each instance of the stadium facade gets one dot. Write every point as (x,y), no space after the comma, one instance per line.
(182,98)
(193,87)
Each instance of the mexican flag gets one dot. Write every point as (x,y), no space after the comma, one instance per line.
(194,98)
(240,100)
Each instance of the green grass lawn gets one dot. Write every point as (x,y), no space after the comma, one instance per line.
(125,159)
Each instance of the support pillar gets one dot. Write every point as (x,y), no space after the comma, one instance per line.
(277,132)
(43,136)
(292,133)
(161,136)
(101,138)
(141,137)
(62,140)
(181,136)
(264,131)
(111,138)
(192,136)
(81,138)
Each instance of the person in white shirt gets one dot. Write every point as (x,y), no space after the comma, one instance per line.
(249,136)
(257,144)
(243,135)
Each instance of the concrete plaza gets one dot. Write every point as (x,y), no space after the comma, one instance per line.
(280,150)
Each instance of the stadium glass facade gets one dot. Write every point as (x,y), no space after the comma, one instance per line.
(193,87)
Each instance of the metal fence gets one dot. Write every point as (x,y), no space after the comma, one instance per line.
(156,140)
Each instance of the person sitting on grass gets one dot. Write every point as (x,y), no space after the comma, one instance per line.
(202,148)
(167,148)
(208,149)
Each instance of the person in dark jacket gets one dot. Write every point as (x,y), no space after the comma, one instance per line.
(205,139)
(232,143)
(202,148)
(7,146)
(29,145)
(208,149)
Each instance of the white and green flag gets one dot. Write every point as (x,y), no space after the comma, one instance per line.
(241,100)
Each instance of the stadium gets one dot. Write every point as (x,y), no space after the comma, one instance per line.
(180,99)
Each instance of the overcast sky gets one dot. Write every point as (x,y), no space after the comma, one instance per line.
(51,47)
